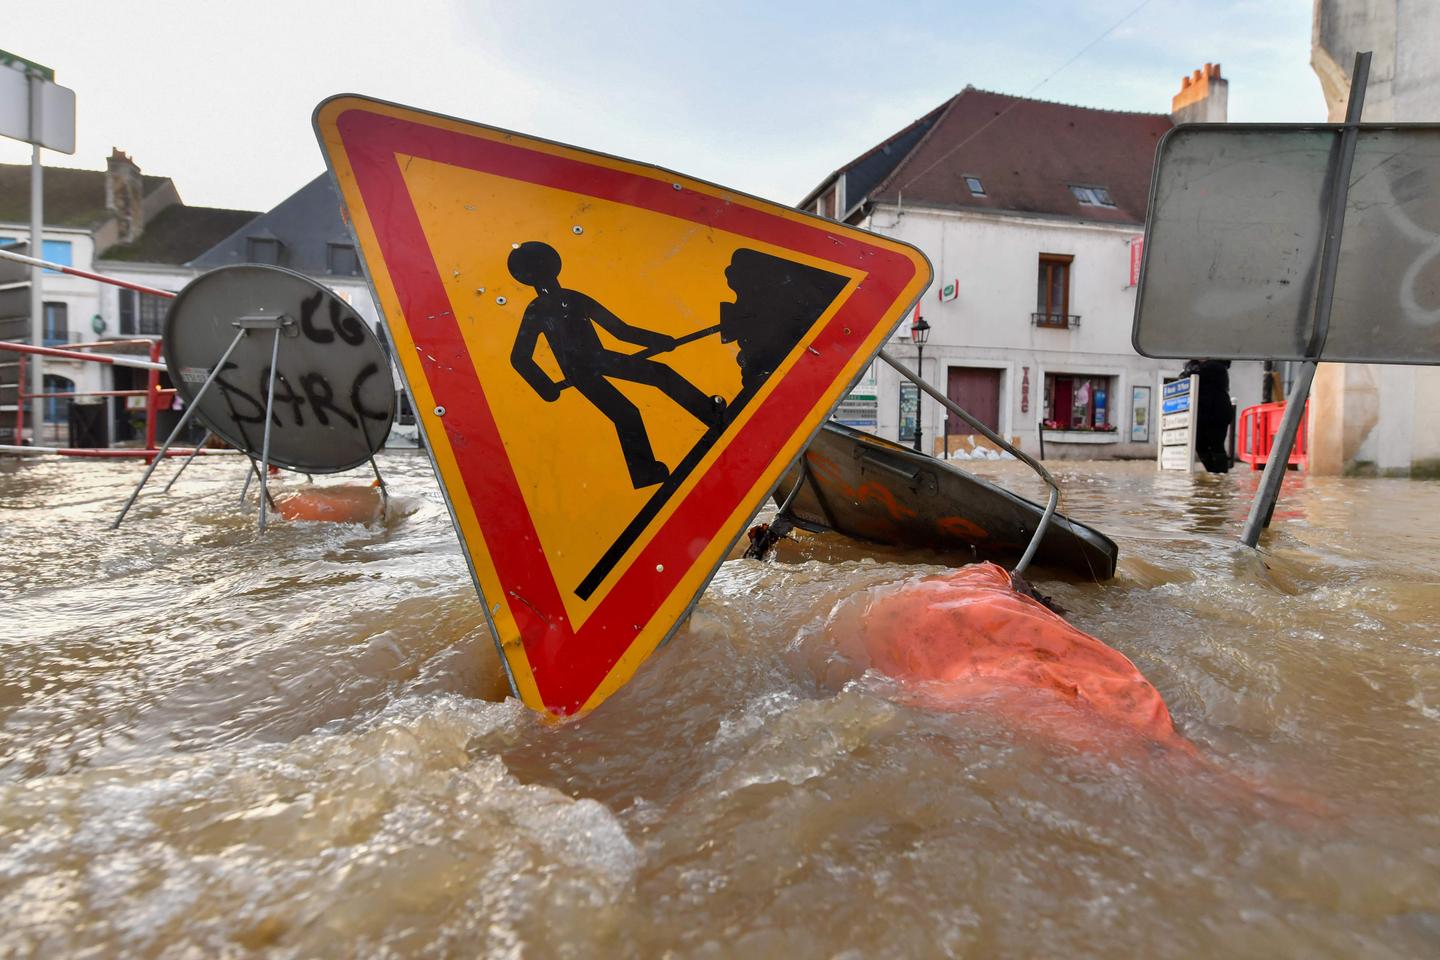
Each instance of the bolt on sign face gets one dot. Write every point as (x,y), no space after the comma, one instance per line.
(612,365)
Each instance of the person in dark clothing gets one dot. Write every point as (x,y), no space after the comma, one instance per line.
(1212,412)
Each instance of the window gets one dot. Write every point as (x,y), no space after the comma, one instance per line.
(340,259)
(141,314)
(55,405)
(1092,196)
(152,315)
(1052,292)
(1078,401)
(57,324)
(263,250)
(58,251)
(976,188)
(127,313)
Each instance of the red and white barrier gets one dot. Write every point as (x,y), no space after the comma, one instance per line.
(114,453)
(77,272)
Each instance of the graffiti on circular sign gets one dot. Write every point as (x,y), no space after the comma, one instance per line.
(334,398)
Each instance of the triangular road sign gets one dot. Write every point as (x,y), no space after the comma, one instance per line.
(612,365)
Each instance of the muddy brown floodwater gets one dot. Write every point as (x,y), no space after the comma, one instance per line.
(216,745)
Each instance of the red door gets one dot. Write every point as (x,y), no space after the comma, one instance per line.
(977,390)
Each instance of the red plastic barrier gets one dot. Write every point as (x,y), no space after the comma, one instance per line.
(1256,432)
(153,392)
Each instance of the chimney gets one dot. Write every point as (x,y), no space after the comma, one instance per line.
(124,195)
(1203,97)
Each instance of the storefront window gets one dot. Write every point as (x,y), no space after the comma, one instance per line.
(1078,401)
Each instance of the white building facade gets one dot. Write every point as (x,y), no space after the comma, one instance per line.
(72,308)
(1006,362)
(1032,214)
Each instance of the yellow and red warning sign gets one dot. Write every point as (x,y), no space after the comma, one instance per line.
(612,365)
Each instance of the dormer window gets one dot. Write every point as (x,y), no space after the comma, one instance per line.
(1092,196)
(976,188)
(262,250)
(340,259)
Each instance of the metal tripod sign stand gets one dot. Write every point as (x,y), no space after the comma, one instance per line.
(323,405)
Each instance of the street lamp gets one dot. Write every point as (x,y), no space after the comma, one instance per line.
(919,332)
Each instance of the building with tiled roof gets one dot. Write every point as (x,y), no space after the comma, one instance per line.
(179,234)
(1032,213)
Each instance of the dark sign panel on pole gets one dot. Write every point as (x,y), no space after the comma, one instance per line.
(1237,221)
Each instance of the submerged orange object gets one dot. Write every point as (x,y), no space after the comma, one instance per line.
(967,636)
(332,504)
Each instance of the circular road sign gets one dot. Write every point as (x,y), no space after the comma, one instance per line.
(334,397)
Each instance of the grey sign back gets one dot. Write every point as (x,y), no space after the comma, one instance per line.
(334,395)
(1236,222)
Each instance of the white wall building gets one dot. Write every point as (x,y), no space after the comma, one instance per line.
(1373,418)
(92,215)
(1032,214)
(70,306)
(133,227)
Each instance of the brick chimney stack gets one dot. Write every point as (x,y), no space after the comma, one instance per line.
(1203,98)
(125,195)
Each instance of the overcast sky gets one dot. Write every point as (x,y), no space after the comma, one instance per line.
(218,95)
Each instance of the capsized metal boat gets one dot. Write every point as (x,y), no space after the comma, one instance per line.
(862,486)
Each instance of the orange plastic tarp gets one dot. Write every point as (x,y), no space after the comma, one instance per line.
(332,504)
(967,636)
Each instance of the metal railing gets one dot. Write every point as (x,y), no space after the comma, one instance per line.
(1001,442)
(1055,321)
(152,392)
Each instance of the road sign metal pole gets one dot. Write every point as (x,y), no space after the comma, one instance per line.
(249,475)
(1004,444)
(384,490)
(1279,457)
(269,419)
(193,454)
(255,472)
(37,232)
(1278,460)
(180,427)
